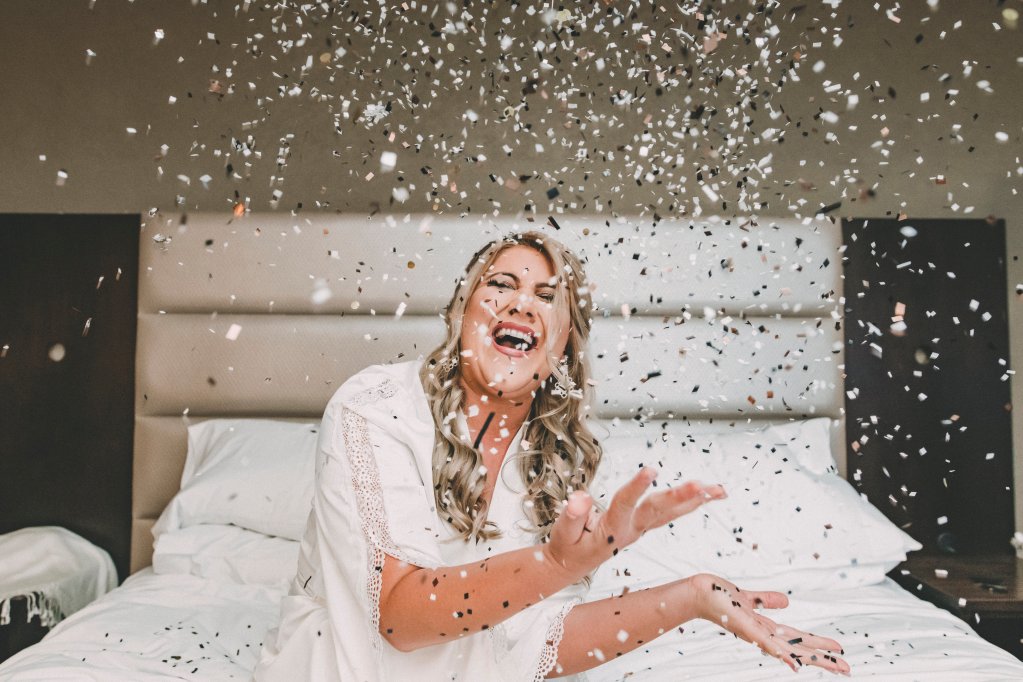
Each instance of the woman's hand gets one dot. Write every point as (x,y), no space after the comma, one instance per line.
(721,602)
(583,538)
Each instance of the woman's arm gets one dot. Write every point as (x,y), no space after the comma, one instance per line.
(425,607)
(420,607)
(602,630)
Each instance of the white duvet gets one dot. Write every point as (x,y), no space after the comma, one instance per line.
(156,627)
(163,627)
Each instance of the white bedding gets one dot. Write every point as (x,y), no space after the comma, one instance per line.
(888,634)
(156,627)
(161,627)
(204,613)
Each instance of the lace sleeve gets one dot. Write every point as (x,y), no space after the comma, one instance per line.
(549,652)
(354,432)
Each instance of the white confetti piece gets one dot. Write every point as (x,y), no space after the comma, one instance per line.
(56,353)
(232,332)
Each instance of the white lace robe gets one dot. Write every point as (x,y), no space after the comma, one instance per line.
(374,496)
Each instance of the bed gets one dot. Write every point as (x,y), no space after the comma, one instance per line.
(717,347)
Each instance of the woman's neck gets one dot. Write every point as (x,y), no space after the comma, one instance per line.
(492,414)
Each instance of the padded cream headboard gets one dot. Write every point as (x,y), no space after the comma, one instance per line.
(698,322)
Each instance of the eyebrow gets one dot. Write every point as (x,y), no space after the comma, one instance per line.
(544,285)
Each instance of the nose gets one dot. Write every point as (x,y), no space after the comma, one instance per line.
(525,304)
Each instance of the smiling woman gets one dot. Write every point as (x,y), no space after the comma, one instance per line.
(518,326)
(452,534)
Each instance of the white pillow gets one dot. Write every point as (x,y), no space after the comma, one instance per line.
(226,554)
(790,522)
(252,473)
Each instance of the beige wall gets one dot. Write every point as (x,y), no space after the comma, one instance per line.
(304,136)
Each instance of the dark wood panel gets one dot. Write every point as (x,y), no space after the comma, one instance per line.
(66,425)
(932,400)
(985,590)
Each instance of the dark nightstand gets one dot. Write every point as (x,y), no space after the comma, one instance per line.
(21,631)
(986,591)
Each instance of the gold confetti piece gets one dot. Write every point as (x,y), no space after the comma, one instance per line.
(57,352)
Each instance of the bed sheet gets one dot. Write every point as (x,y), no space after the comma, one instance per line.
(156,627)
(888,634)
(161,627)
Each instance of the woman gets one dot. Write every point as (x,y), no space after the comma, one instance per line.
(452,535)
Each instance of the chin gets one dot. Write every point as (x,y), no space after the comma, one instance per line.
(513,388)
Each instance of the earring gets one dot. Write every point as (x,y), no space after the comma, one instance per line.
(565,387)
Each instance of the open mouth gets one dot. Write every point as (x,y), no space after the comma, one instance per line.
(514,338)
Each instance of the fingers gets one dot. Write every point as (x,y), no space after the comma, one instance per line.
(822,643)
(799,637)
(789,645)
(569,527)
(796,648)
(768,600)
(624,501)
(804,655)
(662,507)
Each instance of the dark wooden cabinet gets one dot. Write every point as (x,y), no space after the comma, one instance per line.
(927,378)
(21,632)
(986,591)
(68,287)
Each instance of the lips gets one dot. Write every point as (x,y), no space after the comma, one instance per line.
(514,339)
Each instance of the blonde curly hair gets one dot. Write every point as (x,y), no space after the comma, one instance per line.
(559,454)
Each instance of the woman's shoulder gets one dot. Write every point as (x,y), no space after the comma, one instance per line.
(398,382)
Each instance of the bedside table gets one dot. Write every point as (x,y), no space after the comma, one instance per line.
(47,573)
(986,591)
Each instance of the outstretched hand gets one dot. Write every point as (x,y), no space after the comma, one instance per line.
(582,538)
(721,602)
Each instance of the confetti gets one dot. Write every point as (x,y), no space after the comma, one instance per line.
(56,353)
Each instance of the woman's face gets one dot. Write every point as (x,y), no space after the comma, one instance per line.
(509,322)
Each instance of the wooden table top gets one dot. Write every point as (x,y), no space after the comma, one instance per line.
(989,584)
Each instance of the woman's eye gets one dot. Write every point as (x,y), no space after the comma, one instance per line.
(547,297)
(499,284)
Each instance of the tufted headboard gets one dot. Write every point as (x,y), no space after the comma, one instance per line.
(699,323)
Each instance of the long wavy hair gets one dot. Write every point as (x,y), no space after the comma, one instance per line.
(558,454)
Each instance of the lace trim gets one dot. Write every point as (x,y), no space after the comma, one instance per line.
(549,653)
(369,495)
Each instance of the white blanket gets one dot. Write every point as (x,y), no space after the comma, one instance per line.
(55,570)
(156,627)
(888,634)
(179,626)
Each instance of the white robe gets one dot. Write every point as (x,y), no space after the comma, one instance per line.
(374,496)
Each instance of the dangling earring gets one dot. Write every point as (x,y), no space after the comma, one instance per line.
(565,387)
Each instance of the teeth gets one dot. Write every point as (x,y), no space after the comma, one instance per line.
(516,334)
(525,339)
